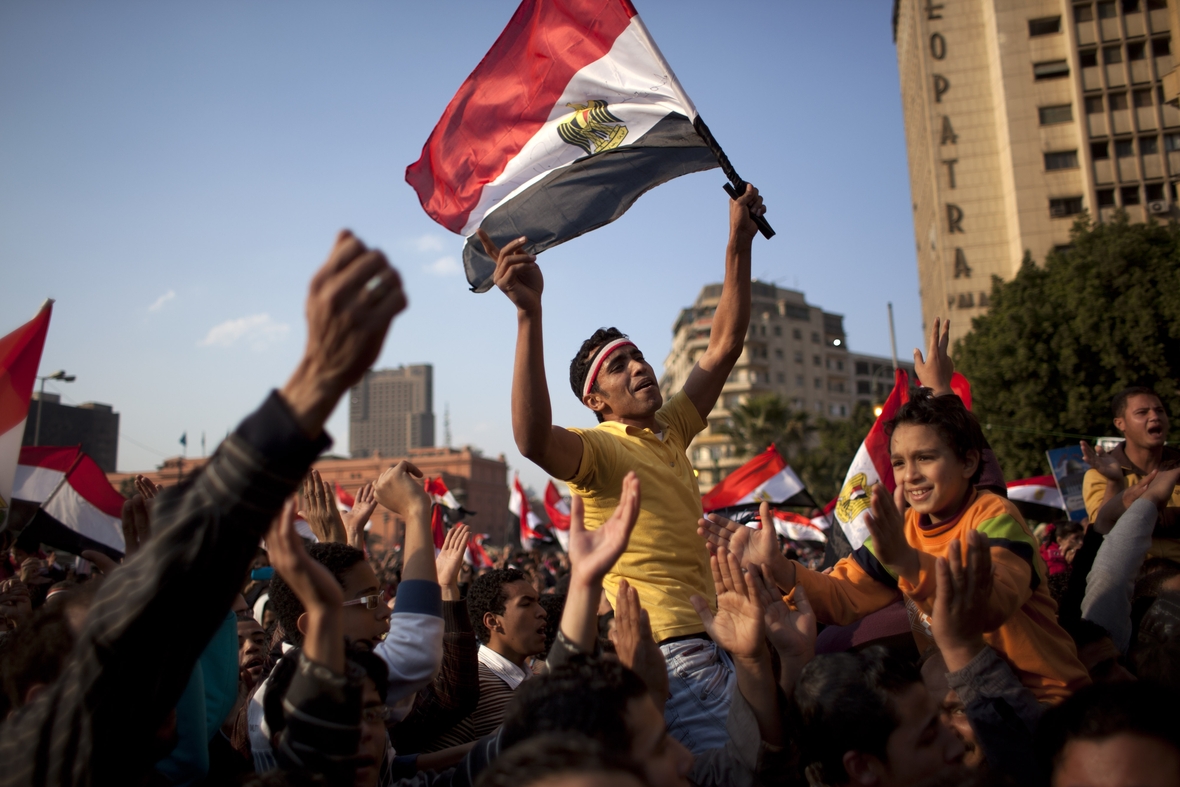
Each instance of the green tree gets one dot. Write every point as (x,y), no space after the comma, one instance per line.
(765,419)
(1062,338)
(824,464)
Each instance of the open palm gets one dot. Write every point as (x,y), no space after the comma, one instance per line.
(738,624)
(594,552)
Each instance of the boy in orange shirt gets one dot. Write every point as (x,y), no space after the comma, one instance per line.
(936,446)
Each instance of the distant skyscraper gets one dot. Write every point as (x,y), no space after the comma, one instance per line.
(391,411)
(92,425)
(1019,116)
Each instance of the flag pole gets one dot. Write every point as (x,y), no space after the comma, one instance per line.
(736,186)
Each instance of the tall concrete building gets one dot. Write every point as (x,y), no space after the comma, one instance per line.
(391,411)
(1019,115)
(793,349)
(92,425)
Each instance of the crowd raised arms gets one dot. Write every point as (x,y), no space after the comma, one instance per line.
(661,648)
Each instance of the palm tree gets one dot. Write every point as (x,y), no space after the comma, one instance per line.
(765,419)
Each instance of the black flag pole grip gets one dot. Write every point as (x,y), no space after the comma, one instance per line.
(736,186)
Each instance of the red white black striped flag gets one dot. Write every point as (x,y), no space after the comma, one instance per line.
(571,116)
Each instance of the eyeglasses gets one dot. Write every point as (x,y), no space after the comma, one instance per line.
(378,714)
(370,602)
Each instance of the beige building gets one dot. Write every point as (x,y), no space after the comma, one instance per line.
(793,349)
(391,411)
(1020,115)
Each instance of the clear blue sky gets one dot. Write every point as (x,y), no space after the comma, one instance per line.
(173,173)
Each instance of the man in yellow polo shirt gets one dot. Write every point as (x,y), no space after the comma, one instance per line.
(665,560)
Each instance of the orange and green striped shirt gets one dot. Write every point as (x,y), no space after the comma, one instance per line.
(1021,619)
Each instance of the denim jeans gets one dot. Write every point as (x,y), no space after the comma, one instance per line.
(701,683)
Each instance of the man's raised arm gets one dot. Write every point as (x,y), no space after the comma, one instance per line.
(732,318)
(555,450)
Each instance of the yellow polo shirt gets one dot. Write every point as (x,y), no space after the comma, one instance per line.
(1163,544)
(666,561)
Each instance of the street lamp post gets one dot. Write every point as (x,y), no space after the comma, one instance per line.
(58,375)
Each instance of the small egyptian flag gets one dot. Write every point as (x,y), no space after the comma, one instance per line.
(571,116)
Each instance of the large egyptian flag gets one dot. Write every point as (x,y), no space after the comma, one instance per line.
(530,523)
(558,510)
(568,119)
(20,355)
(77,508)
(765,478)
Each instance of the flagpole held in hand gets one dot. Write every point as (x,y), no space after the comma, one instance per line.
(736,186)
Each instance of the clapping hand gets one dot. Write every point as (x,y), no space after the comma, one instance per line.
(449,561)
(356,519)
(635,645)
(792,632)
(886,525)
(321,511)
(758,546)
(147,487)
(738,625)
(1106,463)
(400,490)
(937,368)
(961,605)
(594,552)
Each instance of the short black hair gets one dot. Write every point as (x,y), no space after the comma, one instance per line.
(580,365)
(487,595)
(846,703)
(1118,405)
(554,605)
(550,755)
(956,425)
(1103,710)
(338,558)
(587,694)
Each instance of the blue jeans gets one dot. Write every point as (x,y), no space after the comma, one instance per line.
(701,683)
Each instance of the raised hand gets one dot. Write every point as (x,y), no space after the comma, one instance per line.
(738,624)
(1103,461)
(517,274)
(635,645)
(936,368)
(741,213)
(594,552)
(886,525)
(400,490)
(147,487)
(449,561)
(792,632)
(320,509)
(749,545)
(356,519)
(1161,483)
(961,604)
(137,525)
(351,303)
(315,587)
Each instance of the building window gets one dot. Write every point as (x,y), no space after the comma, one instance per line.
(1052,69)
(798,312)
(1137,51)
(778,353)
(1129,195)
(1149,145)
(797,334)
(1088,59)
(819,383)
(1112,55)
(1130,6)
(1105,198)
(799,381)
(778,330)
(1154,192)
(862,367)
(798,356)
(1065,159)
(819,407)
(864,387)
(839,366)
(1142,98)
(1118,101)
(1100,150)
(1161,47)
(782,378)
(1065,206)
(1171,142)
(815,361)
(1107,11)
(1044,27)
(1083,13)
(1156,5)
(1124,148)
(814,337)
(1061,113)
(1094,105)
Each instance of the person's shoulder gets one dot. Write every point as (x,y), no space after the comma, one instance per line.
(988,504)
(680,413)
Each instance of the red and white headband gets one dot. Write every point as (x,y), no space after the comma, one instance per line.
(600,359)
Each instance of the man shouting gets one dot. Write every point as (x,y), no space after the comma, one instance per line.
(665,561)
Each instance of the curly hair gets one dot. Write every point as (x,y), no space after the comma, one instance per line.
(956,425)
(487,595)
(338,558)
(580,365)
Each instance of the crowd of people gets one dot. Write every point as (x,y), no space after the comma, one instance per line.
(663,648)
